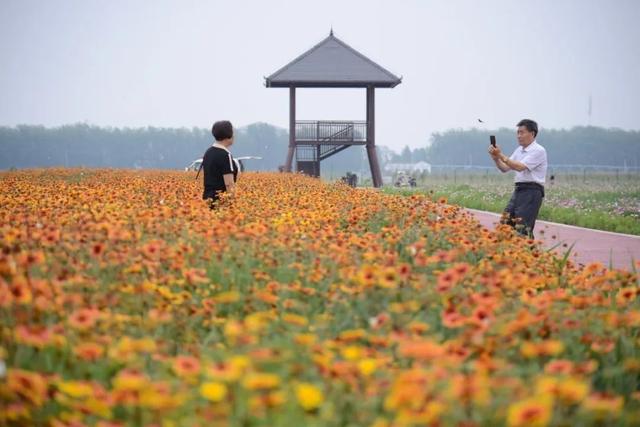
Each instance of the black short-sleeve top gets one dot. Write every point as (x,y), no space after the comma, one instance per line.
(216,163)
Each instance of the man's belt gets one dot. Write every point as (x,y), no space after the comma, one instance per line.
(530,186)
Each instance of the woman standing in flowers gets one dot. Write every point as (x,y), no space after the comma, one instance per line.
(220,171)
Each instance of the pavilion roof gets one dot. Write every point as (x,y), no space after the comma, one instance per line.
(332,63)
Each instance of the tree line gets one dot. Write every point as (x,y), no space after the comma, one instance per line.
(28,146)
(584,145)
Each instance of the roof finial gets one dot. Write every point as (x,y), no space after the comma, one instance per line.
(331,32)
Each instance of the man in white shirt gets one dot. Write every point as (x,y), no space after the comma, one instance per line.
(529,161)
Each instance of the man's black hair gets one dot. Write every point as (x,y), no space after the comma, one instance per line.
(530,125)
(222,130)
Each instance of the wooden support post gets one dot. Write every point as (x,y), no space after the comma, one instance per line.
(376,176)
(292,128)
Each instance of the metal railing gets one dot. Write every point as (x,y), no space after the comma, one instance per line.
(307,153)
(331,131)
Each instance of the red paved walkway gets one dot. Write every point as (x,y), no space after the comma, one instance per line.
(618,250)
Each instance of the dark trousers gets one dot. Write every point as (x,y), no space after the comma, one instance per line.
(522,210)
(212,198)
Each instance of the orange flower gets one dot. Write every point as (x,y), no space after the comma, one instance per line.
(603,346)
(352,335)
(542,348)
(89,351)
(572,390)
(452,319)
(560,366)
(97,249)
(6,295)
(533,412)
(422,350)
(481,317)
(21,291)
(38,337)
(626,295)
(15,412)
(447,280)
(186,366)
(31,386)
(470,388)
(231,370)
(428,415)
(602,404)
(84,319)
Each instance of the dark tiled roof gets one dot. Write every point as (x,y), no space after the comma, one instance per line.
(332,63)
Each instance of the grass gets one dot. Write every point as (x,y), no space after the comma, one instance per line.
(602,201)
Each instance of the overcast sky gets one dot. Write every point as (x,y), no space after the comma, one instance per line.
(189,63)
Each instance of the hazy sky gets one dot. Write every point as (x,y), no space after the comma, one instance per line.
(189,63)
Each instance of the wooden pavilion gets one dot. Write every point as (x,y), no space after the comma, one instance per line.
(331,64)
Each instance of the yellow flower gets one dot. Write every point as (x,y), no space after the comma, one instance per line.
(352,352)
(305,339)
(232,329)
(309,396)
(258,381)
(76,389)
(529,349)
(130,381)
(227,297)
(547,385)
(240,362)
(98,407)
(352,334)
(631,365)
(572,390)
(145,345)
(388,278)
(367,366)
(295,319)
(213,391)
(256,322)
(552,347)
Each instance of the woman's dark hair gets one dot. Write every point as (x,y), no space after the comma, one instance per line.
(222,130)
(530,125)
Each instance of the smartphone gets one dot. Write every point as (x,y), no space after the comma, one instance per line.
(492,138)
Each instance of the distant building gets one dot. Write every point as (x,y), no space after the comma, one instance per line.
(418,167)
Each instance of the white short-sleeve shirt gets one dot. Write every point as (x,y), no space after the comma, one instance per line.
(534,157)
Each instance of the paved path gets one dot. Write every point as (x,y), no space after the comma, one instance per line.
(618,250)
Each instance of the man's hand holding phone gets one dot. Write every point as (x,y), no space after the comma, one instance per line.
(494,150)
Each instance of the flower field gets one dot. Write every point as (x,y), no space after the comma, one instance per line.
(125,301)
